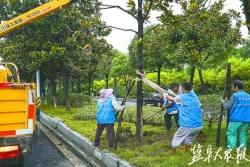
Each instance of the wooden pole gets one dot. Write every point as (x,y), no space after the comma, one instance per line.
(226,86)
(228,91)
(121,115)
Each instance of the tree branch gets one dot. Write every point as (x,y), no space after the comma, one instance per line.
(151,29)
(123,29)
(111,6)
(199,6)
(149,8)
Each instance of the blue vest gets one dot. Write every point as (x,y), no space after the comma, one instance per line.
(240,112)
(105,112)
(190,114)
(174,107)
(192,91)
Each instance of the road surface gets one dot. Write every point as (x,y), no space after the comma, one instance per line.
(131,102)
(49,151)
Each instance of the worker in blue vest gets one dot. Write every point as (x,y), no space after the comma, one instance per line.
(190,117)
(171,108)
(239,118)
(105,116)
(179,92)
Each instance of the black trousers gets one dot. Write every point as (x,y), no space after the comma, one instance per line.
(167,118)
(110,133)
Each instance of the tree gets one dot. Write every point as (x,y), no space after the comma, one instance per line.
(121,69)
(206,35)
(244,50)
(105,65)
(141,12)
(55,41)
(158,50)
(200,38)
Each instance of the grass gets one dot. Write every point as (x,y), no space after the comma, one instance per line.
(155,148)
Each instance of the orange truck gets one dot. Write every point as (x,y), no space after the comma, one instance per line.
(18,110)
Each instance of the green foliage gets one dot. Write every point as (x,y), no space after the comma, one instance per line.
(61,98)
(86,113)
(59,112)
(56,42)
(207,35)
(121,67)
(76,100)
(121,89)
(98,85)
(214,78)
(211,106)
(201,37)
(244,50)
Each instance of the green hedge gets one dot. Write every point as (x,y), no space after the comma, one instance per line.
(76,100)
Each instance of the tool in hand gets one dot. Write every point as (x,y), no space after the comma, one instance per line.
(144,120)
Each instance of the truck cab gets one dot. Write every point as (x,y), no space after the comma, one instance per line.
(5,75)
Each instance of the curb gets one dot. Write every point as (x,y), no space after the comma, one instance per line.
(82,145)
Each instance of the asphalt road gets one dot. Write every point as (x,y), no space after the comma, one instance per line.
(49,151)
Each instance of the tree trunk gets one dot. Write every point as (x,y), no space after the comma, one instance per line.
(115,87)
(203,90)
(92,86)
(107,80)
(53,89)
(60,87)
(72,86)
(192,75)
(66,89)
(246,12)
(89,83)
(159,75)
(79,90)
(139,123)
(43,94)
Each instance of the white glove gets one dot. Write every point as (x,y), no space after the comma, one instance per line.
(222,100)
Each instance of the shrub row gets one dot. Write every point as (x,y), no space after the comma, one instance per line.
(76,100)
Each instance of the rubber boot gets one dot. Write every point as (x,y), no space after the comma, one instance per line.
(185,148)
(96,144)
(201,137)
(173,150)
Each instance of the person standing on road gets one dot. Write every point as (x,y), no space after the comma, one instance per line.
(171,108)
(190,117)
(105,116)
(239,118)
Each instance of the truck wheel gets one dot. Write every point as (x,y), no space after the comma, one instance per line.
(144,103)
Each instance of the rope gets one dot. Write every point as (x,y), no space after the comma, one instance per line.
(141,77)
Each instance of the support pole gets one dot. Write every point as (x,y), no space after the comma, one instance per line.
(38,101)
(129,88)
(226,88)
